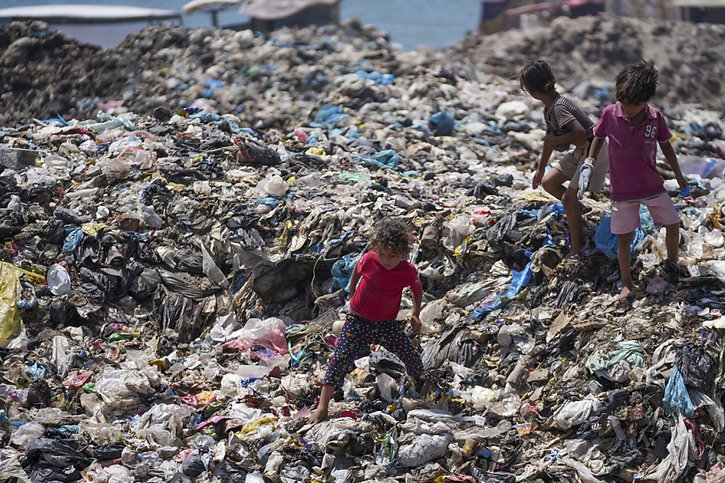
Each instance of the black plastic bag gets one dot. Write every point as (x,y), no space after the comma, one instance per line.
(54,460)
(697,367)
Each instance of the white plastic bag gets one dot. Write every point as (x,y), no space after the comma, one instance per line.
(58,280)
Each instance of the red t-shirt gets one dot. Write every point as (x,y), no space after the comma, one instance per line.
(377,296)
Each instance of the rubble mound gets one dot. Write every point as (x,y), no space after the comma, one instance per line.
(690,57)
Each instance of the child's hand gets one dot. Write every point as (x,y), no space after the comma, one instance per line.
(537,178)
(415,324)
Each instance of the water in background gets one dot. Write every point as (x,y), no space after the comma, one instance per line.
(429,23)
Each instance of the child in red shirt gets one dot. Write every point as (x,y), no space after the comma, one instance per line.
(374,304)
(634,129)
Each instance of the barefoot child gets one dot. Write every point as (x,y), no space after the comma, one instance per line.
(566,124)
(634,128)
(374,304)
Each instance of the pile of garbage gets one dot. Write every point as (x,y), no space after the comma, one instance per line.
(251,74)
(594,49)
(173,280)
(216,69)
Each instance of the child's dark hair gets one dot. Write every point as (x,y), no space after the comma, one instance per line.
(391,234)
(637,82)
(537,77)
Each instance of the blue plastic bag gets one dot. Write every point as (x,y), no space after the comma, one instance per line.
(677,399)
(442,123)
(329,116)
(73,238)
(519,280)
(377,77)
(387,159)
(342,271)
(606,241)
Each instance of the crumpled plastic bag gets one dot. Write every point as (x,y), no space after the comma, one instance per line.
(442,123)
(269,333)
(387,159)
(10,469)
(9,314)
(58,280)
(681,445)
(25,434)
(122,388)
(574,413)
(616,365)
(342,271)
(713,406)
(113,474)
(696,366)
(170,417)
(53,460)
(606,241)
(425,448)
(677,399)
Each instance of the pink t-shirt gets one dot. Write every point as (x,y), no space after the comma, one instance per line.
(377,296)
(633,152)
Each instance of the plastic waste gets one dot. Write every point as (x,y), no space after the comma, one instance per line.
(617,365)
(574,413)
(387,159)
(269,333)
(442,123)
(430,316)
(275,186)
(58,280)
(697,368)
(342,271)
(377,77)
(606,242)
(680,448)
(9,297)
(677,398)
(657,286)
(25,434)
(426,447)
(149,217)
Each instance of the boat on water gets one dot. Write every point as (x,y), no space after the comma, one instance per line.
(104,25)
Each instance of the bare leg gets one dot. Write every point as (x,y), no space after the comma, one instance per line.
(625,260)
(574,218)
(553,183)
(323,405)
(672,241)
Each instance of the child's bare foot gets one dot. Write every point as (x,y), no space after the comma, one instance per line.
(318,416)
(625,293)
